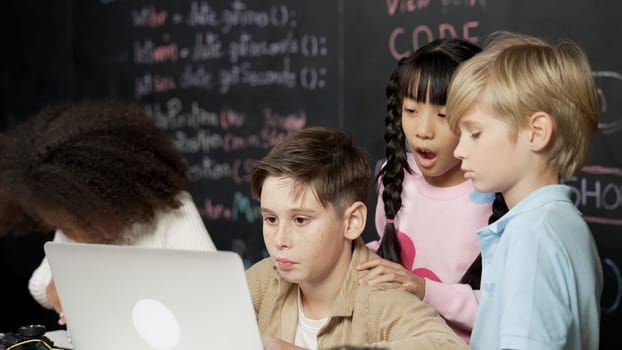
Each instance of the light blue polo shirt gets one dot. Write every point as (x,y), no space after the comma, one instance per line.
(542,277)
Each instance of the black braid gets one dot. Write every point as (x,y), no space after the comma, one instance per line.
(392,174)
(473,275)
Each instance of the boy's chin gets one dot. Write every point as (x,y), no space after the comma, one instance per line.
(482,187)
(289,275)
(289,278)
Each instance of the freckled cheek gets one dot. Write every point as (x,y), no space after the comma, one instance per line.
(320,246)
(317,256)
(268,234)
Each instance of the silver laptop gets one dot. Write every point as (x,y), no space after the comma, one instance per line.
(122,297)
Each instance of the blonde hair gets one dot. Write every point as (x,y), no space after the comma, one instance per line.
(518,75)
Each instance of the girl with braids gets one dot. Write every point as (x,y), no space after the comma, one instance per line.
(427,212)
(96,172)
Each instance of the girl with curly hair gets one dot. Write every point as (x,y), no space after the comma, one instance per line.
(96,172)
(427,212)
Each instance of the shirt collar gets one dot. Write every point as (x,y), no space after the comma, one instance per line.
(536,199)
(344,304)
(489,236)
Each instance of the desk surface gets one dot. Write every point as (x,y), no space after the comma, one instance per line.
(60,338)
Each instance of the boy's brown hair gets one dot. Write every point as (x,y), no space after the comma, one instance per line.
(324,159)
(518,75)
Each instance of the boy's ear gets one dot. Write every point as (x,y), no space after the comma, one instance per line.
(355,217)
(541,126)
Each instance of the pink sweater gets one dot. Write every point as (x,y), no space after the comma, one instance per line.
(436,227)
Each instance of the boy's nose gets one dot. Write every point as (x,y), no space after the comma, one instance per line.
(459,151)
(281,238)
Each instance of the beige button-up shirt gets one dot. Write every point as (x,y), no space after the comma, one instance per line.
(382,315)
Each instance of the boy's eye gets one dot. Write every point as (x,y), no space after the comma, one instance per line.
(475,135)
(269,219)
(442,115)
(300,220)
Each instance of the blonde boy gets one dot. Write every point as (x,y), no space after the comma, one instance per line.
(525,110)
(312,188)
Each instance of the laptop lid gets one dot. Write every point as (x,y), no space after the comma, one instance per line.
(127,297)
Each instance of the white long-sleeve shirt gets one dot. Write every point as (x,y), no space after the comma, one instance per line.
(181,228)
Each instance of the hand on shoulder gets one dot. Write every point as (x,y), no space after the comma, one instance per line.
(382,270)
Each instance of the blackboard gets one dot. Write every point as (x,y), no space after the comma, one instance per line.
(228,79)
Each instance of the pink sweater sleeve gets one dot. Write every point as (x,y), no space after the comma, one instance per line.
(456,302)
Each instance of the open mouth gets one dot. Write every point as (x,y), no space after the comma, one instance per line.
(426,154)
(426,157)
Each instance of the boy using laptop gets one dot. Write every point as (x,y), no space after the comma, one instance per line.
(526,113)
(312,188)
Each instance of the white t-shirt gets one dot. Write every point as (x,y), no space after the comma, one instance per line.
(307,329)
(181,228)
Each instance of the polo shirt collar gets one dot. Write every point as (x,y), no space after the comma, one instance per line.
(536,199)
(489,235)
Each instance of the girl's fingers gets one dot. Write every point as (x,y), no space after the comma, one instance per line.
(373,263)
(369,264)
(389,277)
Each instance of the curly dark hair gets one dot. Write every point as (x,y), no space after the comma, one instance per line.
(104,163)
(424,77)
